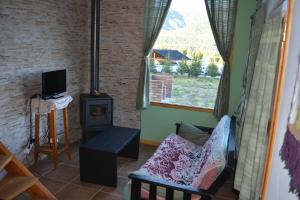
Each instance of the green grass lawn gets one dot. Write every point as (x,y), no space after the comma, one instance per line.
(200,92)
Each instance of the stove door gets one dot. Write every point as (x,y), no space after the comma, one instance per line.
(98,114)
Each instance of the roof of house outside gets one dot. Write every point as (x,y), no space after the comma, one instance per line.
(171,54)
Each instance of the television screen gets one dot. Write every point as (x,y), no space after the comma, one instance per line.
(53,83)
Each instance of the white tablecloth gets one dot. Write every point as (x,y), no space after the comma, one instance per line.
(41,106)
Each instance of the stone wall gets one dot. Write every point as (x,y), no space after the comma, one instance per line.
(120,56)
(39,36)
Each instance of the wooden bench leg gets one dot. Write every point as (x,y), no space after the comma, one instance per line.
(135,189)
(187,196)
(36,137)
(66,132)
(206,198)
(169,194)
(152,194)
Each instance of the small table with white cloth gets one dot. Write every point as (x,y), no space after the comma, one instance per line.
(39,107)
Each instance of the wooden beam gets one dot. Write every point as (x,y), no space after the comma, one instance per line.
(11,187)
(150,142)
(4,160)
(279,83)
(16,168)
(181,107)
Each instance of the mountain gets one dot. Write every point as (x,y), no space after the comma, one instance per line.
(174,20)
(187,29)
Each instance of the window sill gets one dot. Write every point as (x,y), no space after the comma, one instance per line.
(181,107)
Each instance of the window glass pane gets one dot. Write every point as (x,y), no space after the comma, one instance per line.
(185,64)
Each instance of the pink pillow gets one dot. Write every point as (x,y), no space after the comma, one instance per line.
(170,159)
(213,156)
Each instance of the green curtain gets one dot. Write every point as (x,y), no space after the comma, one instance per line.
(257,113)
(222,15)
(154,15)
(258,21)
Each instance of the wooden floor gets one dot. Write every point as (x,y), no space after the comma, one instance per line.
(64,182)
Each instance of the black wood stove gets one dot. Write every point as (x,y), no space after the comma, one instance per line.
(101,142)
(96,112)
(96,109)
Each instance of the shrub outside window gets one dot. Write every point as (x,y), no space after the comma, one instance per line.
(185,64)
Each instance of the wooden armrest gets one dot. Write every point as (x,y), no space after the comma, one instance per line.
(169,185)
(209,130)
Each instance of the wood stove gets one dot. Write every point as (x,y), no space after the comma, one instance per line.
(96,112)
(96,109)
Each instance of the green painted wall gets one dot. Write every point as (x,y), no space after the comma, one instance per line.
(241,44)
(158,122)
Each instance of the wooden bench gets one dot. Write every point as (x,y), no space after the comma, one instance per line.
(98,155)
(137,179)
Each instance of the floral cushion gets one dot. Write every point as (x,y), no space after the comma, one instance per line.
(183,162)
(171,157)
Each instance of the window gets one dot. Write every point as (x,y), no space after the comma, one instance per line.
(185,64)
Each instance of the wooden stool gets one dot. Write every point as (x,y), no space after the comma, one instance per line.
(52,148)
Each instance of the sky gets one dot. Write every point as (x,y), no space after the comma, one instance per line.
(192,11)
(187,5)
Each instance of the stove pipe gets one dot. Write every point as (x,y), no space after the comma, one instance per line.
(95,43)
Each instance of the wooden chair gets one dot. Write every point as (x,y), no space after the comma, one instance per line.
(228,171)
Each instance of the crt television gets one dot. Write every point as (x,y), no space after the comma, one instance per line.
(53,83)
